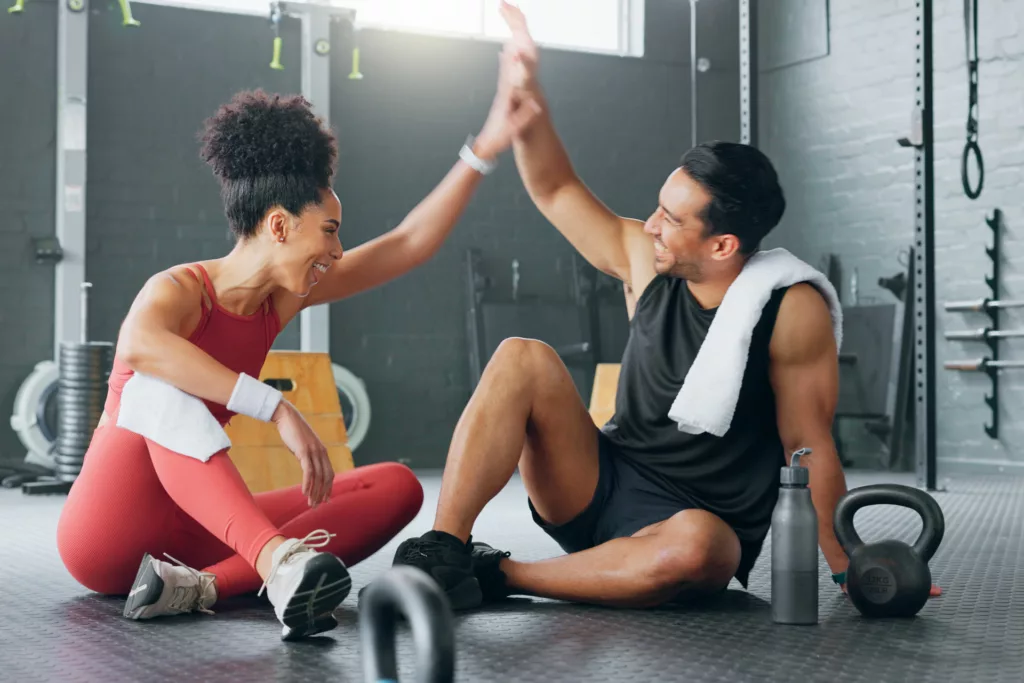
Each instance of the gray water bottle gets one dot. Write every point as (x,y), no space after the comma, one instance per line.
(795,548)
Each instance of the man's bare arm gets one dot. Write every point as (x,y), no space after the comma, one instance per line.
(614,245)
(805,378)
(607,241)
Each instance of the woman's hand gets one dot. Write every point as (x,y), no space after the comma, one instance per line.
(299,437)
(514,107)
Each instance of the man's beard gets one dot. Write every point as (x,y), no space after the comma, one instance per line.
(686,270)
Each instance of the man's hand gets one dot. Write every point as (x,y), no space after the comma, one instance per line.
(511,112)
(933,593)
(516,104)
(521,49)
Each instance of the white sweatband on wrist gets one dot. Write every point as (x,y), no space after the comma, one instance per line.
(168,416)
(476,163)
(254,399)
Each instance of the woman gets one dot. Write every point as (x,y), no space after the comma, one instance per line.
(157,480)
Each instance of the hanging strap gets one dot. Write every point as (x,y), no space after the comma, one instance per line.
(971,147)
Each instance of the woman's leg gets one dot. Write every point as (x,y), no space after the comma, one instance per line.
(117,511)
(135,500)
(368,507)
(305,586)
(214,495)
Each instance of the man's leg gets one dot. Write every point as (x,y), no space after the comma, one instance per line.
(692,551)
(526,412)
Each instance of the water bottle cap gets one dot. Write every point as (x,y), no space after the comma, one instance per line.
(796,474)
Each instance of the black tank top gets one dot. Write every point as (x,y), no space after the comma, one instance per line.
(735,476)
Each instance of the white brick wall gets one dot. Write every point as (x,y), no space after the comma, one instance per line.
(831,127)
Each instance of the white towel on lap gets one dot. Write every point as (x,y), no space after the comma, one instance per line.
(170,417)
(707,400)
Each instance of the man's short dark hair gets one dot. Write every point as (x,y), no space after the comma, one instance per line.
(746,199)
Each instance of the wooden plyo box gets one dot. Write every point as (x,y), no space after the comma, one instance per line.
(307,381)
(602,396)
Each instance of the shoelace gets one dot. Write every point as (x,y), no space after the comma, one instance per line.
(312,541)
(190,598)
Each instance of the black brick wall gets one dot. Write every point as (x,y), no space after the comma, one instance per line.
(151,202)
(28,69)
(625,123)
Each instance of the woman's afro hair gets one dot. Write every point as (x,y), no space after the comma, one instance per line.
(267,151)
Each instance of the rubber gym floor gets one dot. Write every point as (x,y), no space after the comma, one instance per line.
(54,630)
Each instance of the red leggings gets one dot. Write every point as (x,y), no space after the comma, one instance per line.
(134,496)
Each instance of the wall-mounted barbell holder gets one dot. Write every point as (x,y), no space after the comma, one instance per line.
(983,365)
(983,334)
(992,334)
(982,305)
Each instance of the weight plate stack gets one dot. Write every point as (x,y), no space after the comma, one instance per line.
(82,390)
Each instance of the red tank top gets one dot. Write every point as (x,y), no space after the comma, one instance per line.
(239,342)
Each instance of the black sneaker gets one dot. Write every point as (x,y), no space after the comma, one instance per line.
(486,561)
(448,561)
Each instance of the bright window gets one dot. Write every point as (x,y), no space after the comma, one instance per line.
(587,24)
(611,26)
(432,16)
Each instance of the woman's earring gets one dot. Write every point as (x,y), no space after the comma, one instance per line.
(280,239)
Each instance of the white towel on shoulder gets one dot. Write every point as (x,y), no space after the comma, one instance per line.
(707,400)
(170,417)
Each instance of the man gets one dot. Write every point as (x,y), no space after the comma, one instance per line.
(646,513)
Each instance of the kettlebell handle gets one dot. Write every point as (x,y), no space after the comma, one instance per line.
(408,591)
(934,523)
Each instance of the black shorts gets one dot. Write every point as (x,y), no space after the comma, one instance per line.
(625,502)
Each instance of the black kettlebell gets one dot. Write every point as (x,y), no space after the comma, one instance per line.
(889,578)
(409,591)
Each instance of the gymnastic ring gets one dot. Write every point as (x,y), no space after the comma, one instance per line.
(972,146)
(357,413)
(412,593)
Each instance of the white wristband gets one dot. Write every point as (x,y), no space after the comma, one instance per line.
(254,399)
(476,163)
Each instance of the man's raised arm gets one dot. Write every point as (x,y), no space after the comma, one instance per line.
(602,238)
